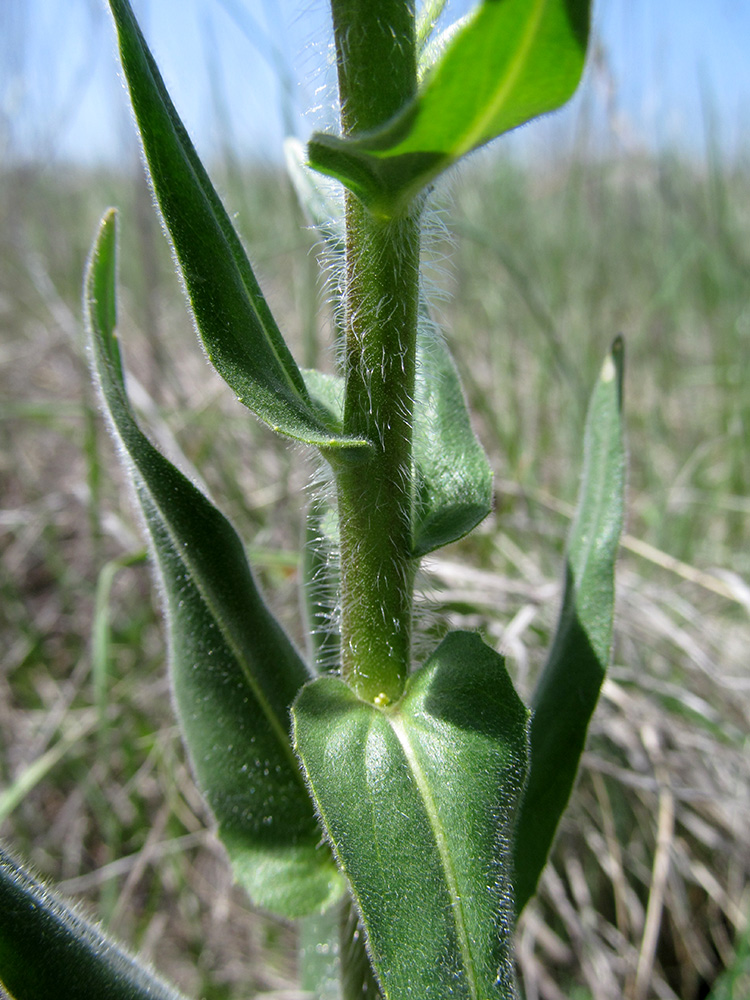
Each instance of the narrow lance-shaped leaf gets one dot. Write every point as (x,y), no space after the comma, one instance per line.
(234,671)
(568,688)
(238,330)
(47,949)
(510,61)
(418,800)
(453,478)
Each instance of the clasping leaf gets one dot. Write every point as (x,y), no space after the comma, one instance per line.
(234,671)
(452,476)
(509,62)
(418,800)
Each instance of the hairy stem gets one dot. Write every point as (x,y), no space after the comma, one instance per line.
(375,44)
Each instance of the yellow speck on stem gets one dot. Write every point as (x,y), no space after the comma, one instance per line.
(382,700)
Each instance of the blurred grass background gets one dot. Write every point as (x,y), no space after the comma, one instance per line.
(535,271)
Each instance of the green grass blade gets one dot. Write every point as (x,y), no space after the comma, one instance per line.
(418,800)
(734,982)
(510,62)
(238,330)
(47,949)
(35,772)
(568,689)
(234,671)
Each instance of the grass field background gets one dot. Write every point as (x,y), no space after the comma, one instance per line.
(534,273)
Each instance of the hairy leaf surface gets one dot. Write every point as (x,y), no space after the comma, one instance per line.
(237,328)
(453,478)
(418,800)
(234,671)
(48,949)
(568,688)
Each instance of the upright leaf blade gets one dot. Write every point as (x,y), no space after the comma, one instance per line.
(47,949)
(453,478)
(418,800)
(568,688)
(512,61)
(238,330)
(234,671)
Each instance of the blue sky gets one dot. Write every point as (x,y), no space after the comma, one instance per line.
(238,69)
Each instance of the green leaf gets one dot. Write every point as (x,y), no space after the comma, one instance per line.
(453,479)
(511,61)
(48,949)
(333,963)
(237,328)
(568,688)
(418,800)
(321,585)
(428,16)
(234,671)
(318,955)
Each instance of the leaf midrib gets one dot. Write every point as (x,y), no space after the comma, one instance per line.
(477,134)
(593,514)
(226,633)
(441,842)
(139,480)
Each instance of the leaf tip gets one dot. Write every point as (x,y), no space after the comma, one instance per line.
(613,366)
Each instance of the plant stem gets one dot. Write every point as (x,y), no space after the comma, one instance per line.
(376,53)
(376,57)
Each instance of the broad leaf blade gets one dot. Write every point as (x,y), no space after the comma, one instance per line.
(453,479)
(568,688)
(419,802)
(234,671)
(238,331)
(512,61)
(47,949)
